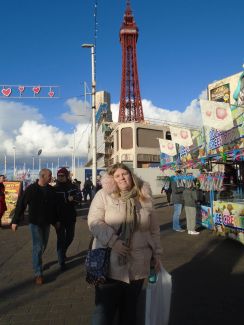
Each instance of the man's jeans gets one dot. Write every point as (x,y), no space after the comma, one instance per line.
(39,243)
(176,216)
(65,236)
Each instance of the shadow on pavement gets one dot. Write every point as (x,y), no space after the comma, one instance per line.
(205,290)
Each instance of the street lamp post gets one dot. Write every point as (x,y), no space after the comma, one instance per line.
(94,135)
(14,148)
(5,165)
(74,158)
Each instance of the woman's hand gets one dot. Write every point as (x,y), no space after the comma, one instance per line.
(120,248)
(157,266)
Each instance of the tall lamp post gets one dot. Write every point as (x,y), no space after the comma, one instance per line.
(14,174)
(94,135)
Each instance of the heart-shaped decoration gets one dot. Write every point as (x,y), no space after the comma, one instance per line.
(51,93)
(6,92)
(208,113)
(36,90)
(21,89)
(184,134)
(221,113)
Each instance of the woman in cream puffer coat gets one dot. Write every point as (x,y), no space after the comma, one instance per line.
(123,201)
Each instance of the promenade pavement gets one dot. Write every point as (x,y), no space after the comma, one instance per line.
(207,274)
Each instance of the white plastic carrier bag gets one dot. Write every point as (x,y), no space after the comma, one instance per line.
(158,299)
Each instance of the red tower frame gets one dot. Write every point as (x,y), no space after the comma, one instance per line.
(130,108)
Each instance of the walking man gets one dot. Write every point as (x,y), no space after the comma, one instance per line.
(41,199)
(177,199)
(87,190)
(67,197)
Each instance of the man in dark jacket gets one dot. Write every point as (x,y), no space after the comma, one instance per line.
(41,200)
(177,199)
(87,189)
(67,197)
(3,206)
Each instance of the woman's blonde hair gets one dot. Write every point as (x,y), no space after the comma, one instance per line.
(137,182)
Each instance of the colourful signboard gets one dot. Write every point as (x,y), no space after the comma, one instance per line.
(12,191)
(205,217)
(228,218)
(221,93)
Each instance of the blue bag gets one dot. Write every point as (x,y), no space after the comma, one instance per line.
(97,265)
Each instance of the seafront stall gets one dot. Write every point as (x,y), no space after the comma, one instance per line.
(217,151)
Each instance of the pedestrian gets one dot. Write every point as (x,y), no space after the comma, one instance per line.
(121,217)
(79,192)
(87,190)
(66,197)
(177,199)
(43,211)
(167,190)
(98,184)
(190,200)
(3,206)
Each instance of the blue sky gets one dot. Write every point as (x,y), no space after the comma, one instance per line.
(182,47)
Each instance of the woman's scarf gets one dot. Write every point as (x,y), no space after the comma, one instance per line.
(130,223)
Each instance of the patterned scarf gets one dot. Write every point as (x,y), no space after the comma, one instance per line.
(130,223)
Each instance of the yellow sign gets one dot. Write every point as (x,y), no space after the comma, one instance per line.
(228,219)
(12,191)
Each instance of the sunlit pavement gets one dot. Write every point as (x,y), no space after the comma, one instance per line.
(207,273)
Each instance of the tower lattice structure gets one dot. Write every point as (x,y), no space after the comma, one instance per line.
(130,108)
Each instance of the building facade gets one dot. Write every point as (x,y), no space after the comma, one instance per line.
(136,144)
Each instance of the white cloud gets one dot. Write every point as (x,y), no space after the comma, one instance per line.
(154,114)
(23,126)
(27,132)
(79,112)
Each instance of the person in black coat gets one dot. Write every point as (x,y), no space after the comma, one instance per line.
(3,206)
(67,197)
(43,211)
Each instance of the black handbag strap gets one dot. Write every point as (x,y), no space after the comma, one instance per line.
(92,237)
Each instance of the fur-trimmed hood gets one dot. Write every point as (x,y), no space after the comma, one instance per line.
(110,187)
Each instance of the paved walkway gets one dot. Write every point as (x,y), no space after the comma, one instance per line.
(207,272)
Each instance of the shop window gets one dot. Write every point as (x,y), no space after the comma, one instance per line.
(148,137)
(126,138)
(168,135)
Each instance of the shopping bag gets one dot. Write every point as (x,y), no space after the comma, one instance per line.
(97,265)
(158,298)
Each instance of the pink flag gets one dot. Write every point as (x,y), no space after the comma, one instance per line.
(181,136)
(216,115)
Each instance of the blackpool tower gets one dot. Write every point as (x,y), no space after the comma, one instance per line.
(130,108)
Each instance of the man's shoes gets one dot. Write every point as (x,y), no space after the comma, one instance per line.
(193,232)
(39,280)
(179,230)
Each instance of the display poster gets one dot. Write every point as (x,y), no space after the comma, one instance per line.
(168,147)
(196,150)
(205,217)
(221,93)
(12,191)
(181,136)
(228,218)
(165,159)
(216,115)
(223,141)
